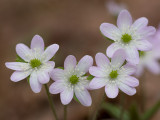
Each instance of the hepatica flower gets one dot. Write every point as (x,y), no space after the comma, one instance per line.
(113,75)
(128,36)
(36,63)
(72,81)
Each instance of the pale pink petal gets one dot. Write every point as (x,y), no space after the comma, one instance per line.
(153,67)
(112,49)
(111,90)
(49,52)
(130,81)
(132,55)
(126,89)
(84,64)
(97,83)
(84,97)
(147,31)
(56,87)
(36,86)
(43,77)
(140,23)
(37,43)
(101,60)
(143,45)
(129,69)
(124,20)
(96,71)
(70,63)
(57,74)
(109,30)
(19,66)
(20,75)
(118,58)
(24,52)
(66,96)
(139,70)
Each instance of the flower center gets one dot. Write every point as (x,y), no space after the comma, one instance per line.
(74,79)
(113,74)
(141,53)
(35,63)
(126,38)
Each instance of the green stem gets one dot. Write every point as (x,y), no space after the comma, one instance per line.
(122,101)
(50,102)
(65,112)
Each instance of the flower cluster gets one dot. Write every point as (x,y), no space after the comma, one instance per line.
(114,70)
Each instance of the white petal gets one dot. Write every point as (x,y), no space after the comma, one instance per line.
(153,67)
(24,52)
(110,31)
(124,20)
(66,96)
(129,69)
(143,45)
(147,31)
(132,55)
(111,90)
(57,74)
(112,49)
(48,66)
(19,66)
(84,64)
(101,60)
(97,83)
(37,43)
(140,23)
(130,81)
(56,87)
(70,63)
(118,58)
(20,75)
(49,52)
(43,77)
(126,89)
(84,97)
(36,86)
(96,71)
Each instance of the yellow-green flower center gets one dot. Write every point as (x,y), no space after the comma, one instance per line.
(113,74)
(74,79)
(141,53)
(35,63)
(126,38)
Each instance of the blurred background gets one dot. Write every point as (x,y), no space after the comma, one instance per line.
(74,25)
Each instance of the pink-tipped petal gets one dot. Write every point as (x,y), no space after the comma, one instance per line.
(112,49)
(36,86)
(96,71)
(56,87)
(49,52)
(111,90)
(24,52)
(20,75)
(57,74)
(124,20)
(118,58)
(84,97)
(37,43)
(127,89)
(66,96)
(97,83)
(109,30)
(19,66)
(102,60)
(140,23)
(70,63)
(84,64)
(143,45)
(130,81)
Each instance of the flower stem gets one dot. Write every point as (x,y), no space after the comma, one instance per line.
(122,101)
(50,102)
(65,112)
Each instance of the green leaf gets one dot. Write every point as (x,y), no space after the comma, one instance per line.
(151,112)
(133,112)
(90,77)
(115,111)
(61,68)
(28,79)
(76,99)
(19,59)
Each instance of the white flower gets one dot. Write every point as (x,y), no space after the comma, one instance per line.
(72,80)
(36,65)
(128,36)
(113,75)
